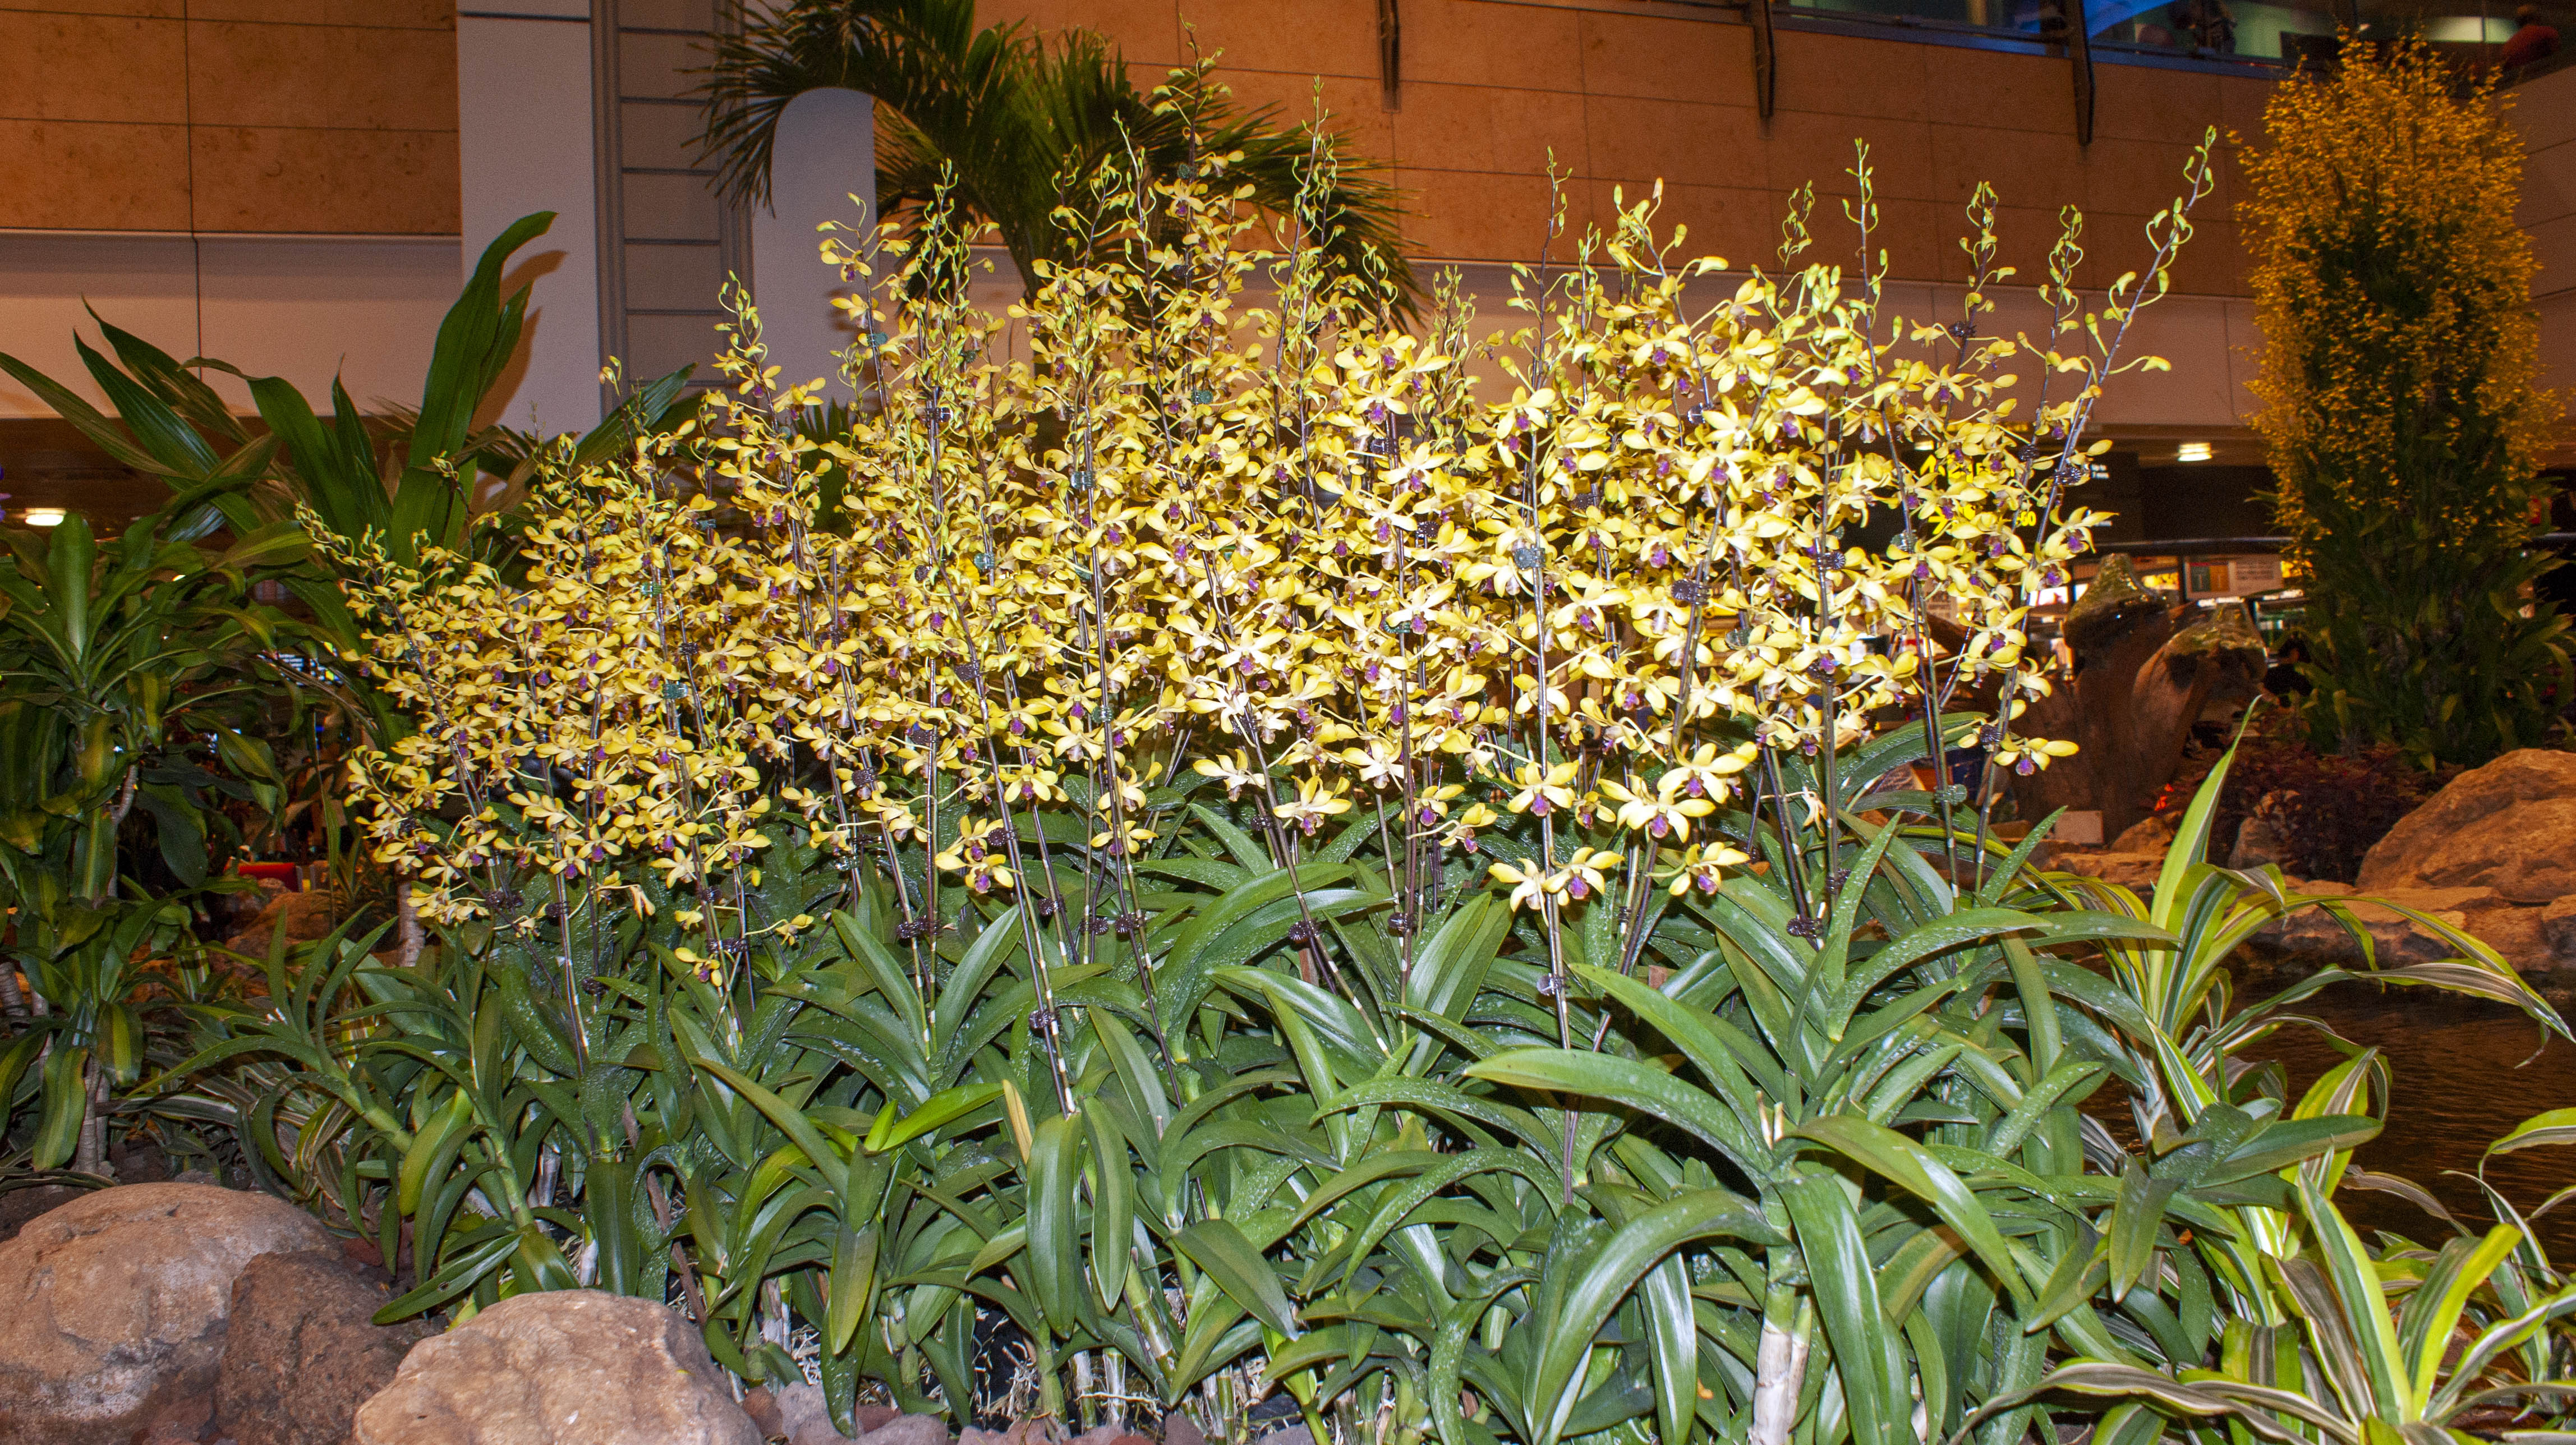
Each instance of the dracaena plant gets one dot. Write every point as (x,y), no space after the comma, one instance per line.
(129,673)
(2228,1281)
(2405,1344)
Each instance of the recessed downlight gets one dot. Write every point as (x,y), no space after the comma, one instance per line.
(2192,452)
(43,516)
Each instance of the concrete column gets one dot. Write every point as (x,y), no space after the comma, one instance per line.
(826,156)
(525,142)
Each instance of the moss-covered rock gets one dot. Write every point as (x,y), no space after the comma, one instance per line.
(2110,607)
(2225,629)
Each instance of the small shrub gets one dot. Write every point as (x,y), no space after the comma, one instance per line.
(2326,808)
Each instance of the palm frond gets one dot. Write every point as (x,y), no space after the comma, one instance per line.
(1010,124)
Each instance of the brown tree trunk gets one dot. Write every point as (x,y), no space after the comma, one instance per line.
(90,1157)
(407,931)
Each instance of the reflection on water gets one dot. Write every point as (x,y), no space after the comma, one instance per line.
(2466,1072)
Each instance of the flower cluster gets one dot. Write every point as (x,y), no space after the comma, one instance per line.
(1292,550)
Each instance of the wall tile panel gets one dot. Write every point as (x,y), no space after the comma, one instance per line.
(1470,42)
(1739,223)
(1147,30)
(157,9)
(2127,177)
(274,178)
(660,135)
(692,15)
(1843,75)
(76,175)
(689,270)
(1657,58)
(1806,147)
(377,14)
(1353,105)
(92,67)
(1996,88)
(655,66)
(380,14)
(2133,102)
(2026,169)
(321,76)
(670,208)
(2024,236)
(1468,215)
(1482,128)
(1308,37)
(404,14)
(2214,263)
(2240,109)
(1691,145)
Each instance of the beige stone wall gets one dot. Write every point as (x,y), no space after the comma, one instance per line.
(294,116)
(1622,92)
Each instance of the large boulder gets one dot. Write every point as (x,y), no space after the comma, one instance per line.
(302,1351)
(117,1303)
(572,1367)
(2509,826)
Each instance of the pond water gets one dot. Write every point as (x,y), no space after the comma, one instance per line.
(2466,1071)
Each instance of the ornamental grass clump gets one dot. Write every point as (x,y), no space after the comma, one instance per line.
(1241,862)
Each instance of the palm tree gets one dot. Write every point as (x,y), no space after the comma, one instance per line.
(1014,122)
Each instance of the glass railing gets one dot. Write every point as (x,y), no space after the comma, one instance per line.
(2473,36)
(2476,35)
(2032,20)
(2216,28)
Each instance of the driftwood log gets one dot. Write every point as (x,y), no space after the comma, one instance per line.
(2144,673)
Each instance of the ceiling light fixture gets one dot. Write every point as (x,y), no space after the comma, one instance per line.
(2192,452)
(44,516)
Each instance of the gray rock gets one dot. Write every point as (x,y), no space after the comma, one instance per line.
(117,1303)
(2509,826)
(2257,843)
(800,1407)
(909,1430)
(804,1419)
(1180,1429)
(1036,1431)
(573,1367)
